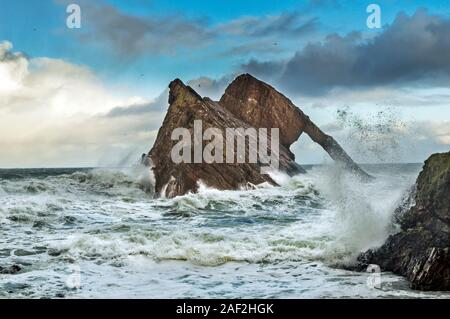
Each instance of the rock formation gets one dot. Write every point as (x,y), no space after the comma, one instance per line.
(247,103)
(172,179)
(421,250)
(260,105)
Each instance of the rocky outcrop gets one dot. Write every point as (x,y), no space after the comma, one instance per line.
(260,105)
(247,103)
(421,250)
(172,179)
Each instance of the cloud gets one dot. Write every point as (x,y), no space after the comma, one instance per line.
(212,88)
(55,113)
(285,24)
(265,35)
(264,47)
(414,48)
(160,104)
(52,85)
(130,35)
(13,66)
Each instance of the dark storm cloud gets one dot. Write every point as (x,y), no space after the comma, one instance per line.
(414,48)
(130,35)
(266,70)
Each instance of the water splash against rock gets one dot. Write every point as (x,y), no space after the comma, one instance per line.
(375,137)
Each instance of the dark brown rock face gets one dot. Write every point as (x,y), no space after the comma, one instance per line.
(247,103)
(261,105)
(172,179)
(421,250)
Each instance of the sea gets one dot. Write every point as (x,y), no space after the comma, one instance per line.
(102,233)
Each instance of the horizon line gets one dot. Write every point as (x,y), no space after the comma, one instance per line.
(118,167)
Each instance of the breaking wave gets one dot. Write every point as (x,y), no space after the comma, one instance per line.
(326,214)
(110,217)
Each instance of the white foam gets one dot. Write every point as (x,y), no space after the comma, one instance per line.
(284,236)
(363,210)
(279,177)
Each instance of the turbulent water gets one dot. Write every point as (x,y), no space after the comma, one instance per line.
(99,233)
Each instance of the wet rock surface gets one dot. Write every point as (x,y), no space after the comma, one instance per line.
(421,250)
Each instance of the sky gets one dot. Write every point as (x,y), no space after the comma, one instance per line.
(97,95)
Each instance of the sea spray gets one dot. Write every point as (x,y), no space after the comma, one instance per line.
(119,158)
(363,209)
(375,136)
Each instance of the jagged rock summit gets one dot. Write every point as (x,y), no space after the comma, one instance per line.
(421,250)
(247,103)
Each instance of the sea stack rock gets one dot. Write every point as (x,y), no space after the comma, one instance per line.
(249,104)
(421,250)
(172,179)
(260,105)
